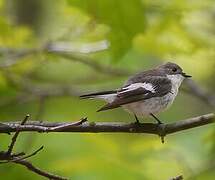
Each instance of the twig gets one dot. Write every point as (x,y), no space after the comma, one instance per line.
(19,158)
(94,65)
(114,127)
(13,56)
(23,157)
(35,169)
(200,92)
(68,125)
(13,141)
(69,47)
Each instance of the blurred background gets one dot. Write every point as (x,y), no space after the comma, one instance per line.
(52,51)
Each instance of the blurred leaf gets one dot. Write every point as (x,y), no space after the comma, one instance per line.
(124,19)
(13,36)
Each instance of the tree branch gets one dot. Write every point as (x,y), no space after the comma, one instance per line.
(114,127)
(62,50)
(83,126)
(200,92)
(19,158)
(93,64)
(35,169)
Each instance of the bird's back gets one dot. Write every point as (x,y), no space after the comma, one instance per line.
(142,76)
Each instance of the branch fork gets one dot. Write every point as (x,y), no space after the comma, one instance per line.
(20,158)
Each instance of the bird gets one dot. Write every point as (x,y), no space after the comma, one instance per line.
(146,93)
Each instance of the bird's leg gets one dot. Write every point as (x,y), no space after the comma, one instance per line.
(137,120)
(160,125)
(159,122)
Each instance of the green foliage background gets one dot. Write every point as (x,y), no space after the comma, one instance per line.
(141,34)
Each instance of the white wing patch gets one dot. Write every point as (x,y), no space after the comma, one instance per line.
(107,97)
(147,86)
(111,97)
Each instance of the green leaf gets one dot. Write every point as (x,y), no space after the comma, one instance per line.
(125,20)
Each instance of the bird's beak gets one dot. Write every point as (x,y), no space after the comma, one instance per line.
(185,75)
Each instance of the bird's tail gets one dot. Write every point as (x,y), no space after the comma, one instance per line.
(108,96)
(102,95)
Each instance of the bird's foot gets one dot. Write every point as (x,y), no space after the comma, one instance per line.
(158,120)
(137,122)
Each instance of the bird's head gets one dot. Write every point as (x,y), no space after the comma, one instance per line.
(173,69)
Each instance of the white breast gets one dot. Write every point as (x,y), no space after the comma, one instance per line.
(152,105)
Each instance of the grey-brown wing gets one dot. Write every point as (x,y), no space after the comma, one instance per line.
(148,88)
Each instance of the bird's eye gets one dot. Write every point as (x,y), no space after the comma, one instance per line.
(174,69)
